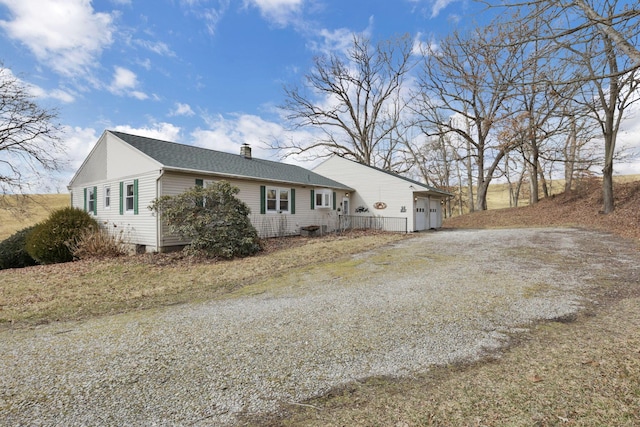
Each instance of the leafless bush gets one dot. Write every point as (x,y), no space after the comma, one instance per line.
(98,244)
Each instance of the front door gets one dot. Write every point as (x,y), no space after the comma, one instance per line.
(345,206)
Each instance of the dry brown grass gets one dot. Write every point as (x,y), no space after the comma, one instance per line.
(88,288)
(578,208)
(583,374)
(18,212)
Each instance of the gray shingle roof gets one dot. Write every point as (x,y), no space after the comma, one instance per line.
(197,159)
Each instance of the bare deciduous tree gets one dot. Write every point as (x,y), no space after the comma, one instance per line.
(599,39)
(355,101)
(609,89)
(566,18)
(468,79)
(30,144)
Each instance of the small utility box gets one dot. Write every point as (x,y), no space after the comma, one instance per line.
(309,230)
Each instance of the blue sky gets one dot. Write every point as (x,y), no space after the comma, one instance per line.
(202,72)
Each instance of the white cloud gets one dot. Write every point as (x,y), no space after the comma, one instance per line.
(422,47)
(58,94)
(211,16)
(228,134)
(146,63)
(164,131)
(629,141)
(37,91)
(159,48)
(125,82)
(78,142)
(181,110)
(338,41)
(278,12)
(438,5)
(67,35)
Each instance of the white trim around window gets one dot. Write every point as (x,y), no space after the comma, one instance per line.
(107,197)
(323,198)
(91,200)
(129,196)
(278,200)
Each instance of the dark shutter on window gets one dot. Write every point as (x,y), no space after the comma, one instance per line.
(199,182)
(313,200)
(95,200)
(85,199)
(292,209)
(135,197)
(263,199)
(334,200)
(121,197)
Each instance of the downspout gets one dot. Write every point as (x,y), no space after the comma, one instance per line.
(158,222)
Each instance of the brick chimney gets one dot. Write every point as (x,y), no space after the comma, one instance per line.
(245,151)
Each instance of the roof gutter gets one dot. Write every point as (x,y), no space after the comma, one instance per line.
(252,178)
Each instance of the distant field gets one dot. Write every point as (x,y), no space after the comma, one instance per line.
(28,211)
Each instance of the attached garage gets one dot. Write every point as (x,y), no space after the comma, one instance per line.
(383,194)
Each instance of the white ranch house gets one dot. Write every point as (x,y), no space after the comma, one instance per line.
(124,173)
(383,194)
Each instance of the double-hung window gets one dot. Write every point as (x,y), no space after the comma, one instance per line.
(107,197)
(277,200)
(129,197)
(91,199)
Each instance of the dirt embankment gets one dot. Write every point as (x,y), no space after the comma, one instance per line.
(577,208)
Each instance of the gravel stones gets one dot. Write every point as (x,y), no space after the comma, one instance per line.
(438,298)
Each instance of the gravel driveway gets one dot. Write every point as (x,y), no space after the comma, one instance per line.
(438,298)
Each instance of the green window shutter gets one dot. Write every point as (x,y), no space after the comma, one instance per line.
(95,200)
(85,199)
(199,182)
(121,197)
(293,201)
(313,200)
(334,200)
(135,197)
(263,199)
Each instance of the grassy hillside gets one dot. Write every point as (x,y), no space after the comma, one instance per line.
(19,213)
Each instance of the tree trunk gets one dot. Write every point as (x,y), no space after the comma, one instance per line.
(570,148)
(481,196)
(607,192)
(607,174)
(543,181)
(470,178)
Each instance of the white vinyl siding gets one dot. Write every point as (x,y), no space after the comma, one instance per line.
(397,194)
(137,229)
(268,225)
(372,186)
